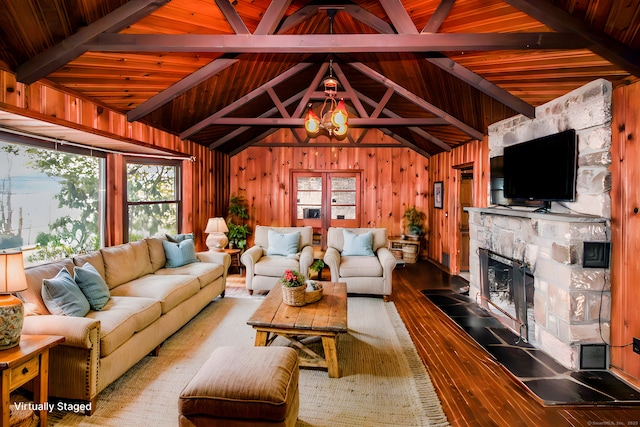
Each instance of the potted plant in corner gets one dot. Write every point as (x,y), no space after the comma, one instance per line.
(238,229)
(413,221)
(317,267)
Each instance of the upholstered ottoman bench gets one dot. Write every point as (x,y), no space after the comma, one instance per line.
(243,386)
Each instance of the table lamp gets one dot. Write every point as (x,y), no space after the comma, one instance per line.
(217,240)
(12,279)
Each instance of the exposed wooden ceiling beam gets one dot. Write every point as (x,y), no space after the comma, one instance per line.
(483,85)
(288,122)
(438,16)
(243,100)
(232,17)
(230,136)
(399,16)
(73,46)
(603,45)
(410,96)
(357,12)
(418,131)
(332,43)
(272,17)
(178,88)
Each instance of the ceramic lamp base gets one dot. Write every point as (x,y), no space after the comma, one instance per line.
(217,241)
(11,320)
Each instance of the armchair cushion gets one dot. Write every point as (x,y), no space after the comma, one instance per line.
(360,266)
(283,244)
(357,244)
(62,296)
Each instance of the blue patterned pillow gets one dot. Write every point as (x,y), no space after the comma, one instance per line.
(357,244)
(283,243)
(177,238)
(179,254)
(92,285)
(62,296)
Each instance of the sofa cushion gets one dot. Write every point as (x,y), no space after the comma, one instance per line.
(275,266)
(127,262)
(156,253)
(121,318)
(179,254)
(283,243)
(357,244)
(94,258)
(92,285)
(32,297)
(169,290)
(62,296)
(206,272)
(360,266)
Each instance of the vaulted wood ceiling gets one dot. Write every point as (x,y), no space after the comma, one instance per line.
(431,74)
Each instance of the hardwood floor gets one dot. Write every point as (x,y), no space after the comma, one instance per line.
(474,389)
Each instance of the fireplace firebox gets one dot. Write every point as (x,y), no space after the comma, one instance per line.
(506,291)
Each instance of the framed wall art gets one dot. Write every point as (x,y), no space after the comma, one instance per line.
(438,188)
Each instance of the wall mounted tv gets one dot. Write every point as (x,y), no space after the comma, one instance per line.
(542,169)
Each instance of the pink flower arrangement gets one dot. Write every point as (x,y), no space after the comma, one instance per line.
(292,279)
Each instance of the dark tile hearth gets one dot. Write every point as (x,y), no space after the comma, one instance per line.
(553,383)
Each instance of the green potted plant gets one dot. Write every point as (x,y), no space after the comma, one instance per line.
(317,267)
(413,221)
(238,228)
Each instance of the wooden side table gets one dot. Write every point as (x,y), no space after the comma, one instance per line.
(25,362)
(235,259)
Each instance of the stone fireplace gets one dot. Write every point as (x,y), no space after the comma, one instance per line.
(571,301)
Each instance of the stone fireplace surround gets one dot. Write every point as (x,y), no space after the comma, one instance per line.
(571,302)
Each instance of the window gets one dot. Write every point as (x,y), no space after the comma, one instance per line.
(51,201)
(153,199)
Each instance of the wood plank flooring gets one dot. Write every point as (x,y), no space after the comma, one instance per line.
(474,389)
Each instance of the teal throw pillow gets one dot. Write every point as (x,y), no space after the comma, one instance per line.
(177,238)
(179,254)
(357,244)
(92,285)
(62,296)
(283,244)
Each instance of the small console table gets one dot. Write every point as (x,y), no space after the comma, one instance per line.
(27,361)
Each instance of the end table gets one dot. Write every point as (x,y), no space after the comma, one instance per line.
(235,259)
(27,361)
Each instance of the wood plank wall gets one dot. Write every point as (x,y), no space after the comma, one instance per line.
(446,167)
(625,225)
(206,179)
(392,179)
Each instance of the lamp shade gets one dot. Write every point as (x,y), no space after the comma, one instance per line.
(12,277)
(216,225)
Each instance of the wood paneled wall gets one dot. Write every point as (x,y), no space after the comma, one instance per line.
(444,239)
(392,179)
(206,178)
(625,225)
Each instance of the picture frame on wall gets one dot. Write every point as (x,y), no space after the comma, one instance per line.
(438,188)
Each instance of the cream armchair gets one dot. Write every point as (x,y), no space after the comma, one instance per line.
(276,250)
(360,260)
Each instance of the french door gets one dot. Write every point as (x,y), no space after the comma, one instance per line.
(325,199)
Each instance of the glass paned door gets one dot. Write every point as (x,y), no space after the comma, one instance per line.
(326,199)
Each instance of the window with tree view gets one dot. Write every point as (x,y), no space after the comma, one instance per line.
(51,201)
(153,199)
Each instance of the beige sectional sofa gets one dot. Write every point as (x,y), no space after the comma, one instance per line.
(147,304)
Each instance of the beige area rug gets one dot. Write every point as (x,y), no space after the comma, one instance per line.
(383,381)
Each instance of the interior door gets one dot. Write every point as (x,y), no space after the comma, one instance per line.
(466,200)
(326,199)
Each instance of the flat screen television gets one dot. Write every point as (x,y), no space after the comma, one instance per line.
(542,169)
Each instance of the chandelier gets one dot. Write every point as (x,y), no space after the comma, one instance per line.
(333,115)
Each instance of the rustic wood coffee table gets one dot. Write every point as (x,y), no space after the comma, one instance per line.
(326,319)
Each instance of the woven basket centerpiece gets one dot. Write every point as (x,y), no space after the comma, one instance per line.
(293,288)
